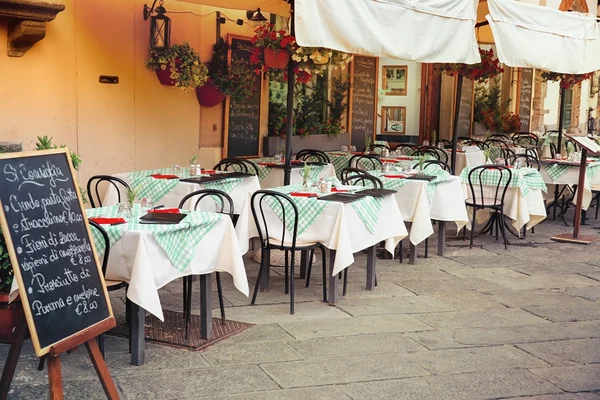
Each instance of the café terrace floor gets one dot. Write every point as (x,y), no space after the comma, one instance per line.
(477,324)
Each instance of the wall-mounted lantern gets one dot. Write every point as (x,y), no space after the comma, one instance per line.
(160,26)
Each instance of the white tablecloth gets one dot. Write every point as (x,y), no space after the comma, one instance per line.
(466,159)
(447,204)
(571,177)
(275,176)
(338,228)
(239,194)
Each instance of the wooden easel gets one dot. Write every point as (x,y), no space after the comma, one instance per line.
(87,337)
(575,237)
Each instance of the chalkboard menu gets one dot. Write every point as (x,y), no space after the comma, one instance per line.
(364,95)
(465,108)
(525,92)
(243,121)
(53,258)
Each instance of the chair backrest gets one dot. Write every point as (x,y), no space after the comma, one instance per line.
(525,160)
(446,143)
(553,150)
(282,205)
(435,152)
(237,164)
(93,188)
(525,138)
(313,155)
(492,142)
(366,162)
(500,136)
(104,235)
(407,149)
(472,142)
(572,145)
(477,176)
(443,165)
(359,177)
(378,148)
(222,200)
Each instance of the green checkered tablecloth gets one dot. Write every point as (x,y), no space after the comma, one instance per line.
(309,209)
(178,241)
(368,210)
(555,171)
(397,183)
(525,179)
(339,161)
(264,170)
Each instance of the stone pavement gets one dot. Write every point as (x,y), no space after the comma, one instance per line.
(483,323)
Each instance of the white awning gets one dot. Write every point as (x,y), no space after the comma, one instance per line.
(539,37)
(418,30)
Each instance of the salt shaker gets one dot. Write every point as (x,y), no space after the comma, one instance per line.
(386,152)
(192,169)
(322,185)
(198,170)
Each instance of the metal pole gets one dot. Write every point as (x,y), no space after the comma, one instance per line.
(455,128)
(561,117)
(287,168)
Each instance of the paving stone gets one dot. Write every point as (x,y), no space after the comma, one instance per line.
(487,273)
(319,393)
(555,253)
(468,301)
(261,333)
(566,352)
(578,378)
(158,359)
(269,314)
(477,318)
(384,288)
(445,286)
(592,275)
(576,309)
(475,386)
(354,326)
(393,305)
(73,390)
(474,360)
(228,353)
(342,370)
(74,367)
(437,340)
(488,260)
(562,396)
(393,342)
(190,383)
(550,268)
(587,292)
(533,297)
(174,301)
(545,281)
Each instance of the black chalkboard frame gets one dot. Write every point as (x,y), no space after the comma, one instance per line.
(530,73)
(359,142)
(470,85)
(39,351)
(225,152)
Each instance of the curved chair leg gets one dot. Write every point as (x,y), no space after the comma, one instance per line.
(473,227)
(503,230)
(324,268)
(345,287)
(287,276)
(597,204)
(220,294)
(188,306)
(400,255)
(311,254)
(292,282)
(261,270)
(185,278)
(427,248)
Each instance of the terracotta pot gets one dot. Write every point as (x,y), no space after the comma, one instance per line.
(164,76)
(277,59)
(10,314)
(208,95)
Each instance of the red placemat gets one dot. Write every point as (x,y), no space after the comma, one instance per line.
(300,194)
(107,221)
(395,176)
(163,176)
(166,210)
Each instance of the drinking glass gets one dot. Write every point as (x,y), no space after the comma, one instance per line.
(353,149)
(425,142)
(278,158)
(344,149)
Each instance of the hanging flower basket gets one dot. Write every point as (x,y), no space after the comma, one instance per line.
(488,68)
(208,95)
(10,314)
(566,80)
(164,75)
(179,66)
(277,59)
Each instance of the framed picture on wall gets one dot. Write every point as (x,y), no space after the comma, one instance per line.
(394,80)
(393,120)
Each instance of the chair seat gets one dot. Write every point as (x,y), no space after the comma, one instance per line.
(486,201)
(114,285)
(299,244)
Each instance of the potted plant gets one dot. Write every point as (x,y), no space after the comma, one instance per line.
(491,113)
(178,66)
(566,80)
(488,68)
(272,49)
(311,61)
(236,80)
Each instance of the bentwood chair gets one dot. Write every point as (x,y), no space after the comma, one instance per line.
(525,139)
(446,144)
(472,142)
(274,235)
(237,164)
(313,155)
(500,136)
(526,160)
(377,148)
(484,196)
(441,164)
(365,162)
(93,186)
(435,152)
(359,177)
(408,149)
(224,205)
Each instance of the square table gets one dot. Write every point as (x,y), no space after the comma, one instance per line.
(464,159)
(271,173)
(564,173)
(343,228)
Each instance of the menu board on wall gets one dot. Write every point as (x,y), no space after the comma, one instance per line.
(52,254)
(525,95)
(242,122)
(465,109)
(364,99)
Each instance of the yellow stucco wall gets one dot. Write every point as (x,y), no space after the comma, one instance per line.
(54,90)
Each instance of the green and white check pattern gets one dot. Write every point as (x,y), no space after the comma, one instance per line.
(525,179)
(224,185)
(263,170)
(368,210)
(178,241)
(151,188)
(309,209)
(339,161)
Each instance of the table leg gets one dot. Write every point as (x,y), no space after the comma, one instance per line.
(333,286)
(303,264)
(371,260)
(138,343)
(206,331)
(412,255)
(441,238)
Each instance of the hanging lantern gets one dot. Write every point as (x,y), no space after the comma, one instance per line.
(160,26)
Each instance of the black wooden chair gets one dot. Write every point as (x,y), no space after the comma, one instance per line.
(359,177)
(500,136)
(377,148)
(408,149)
(525,139)
(527,159)
(237,164)
(93,188)
(439,154)
(472,142)
(493,142)
(287,242)
(446,144)
(443,165)
(365,162)
(313,155)
(572,145)
(478,200)
(224,205)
